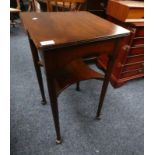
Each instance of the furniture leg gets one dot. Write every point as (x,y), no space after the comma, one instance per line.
(54,108)
(38,70)
(78,86)
(107,78)
(33,5)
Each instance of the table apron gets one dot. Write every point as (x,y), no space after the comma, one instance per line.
(57,58)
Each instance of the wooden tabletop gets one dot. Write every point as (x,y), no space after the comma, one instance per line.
(57,29)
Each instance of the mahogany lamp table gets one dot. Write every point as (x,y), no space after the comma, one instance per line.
(60,41)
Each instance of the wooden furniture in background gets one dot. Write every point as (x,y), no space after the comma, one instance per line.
(64,5)
(14,11)
(61,49)
(129,63)
(97,7)
(57,5)
(124,10)
(33,5)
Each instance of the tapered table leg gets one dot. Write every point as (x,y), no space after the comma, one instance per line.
(107,78)
(54,107)
(78,86)
(38,70)
(102,96)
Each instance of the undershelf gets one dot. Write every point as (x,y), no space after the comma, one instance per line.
(74,72)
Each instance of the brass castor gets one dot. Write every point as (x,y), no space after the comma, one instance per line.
(43,102)
(58,141)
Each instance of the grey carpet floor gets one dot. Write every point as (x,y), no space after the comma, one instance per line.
(119,132)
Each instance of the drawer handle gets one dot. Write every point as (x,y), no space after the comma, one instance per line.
(119,65)
(140,70)
(126,47)
(133,30)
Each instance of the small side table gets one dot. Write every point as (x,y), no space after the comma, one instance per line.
(60,40)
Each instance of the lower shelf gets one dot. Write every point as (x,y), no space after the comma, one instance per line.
(74,72)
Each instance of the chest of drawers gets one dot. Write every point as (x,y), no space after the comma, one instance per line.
(129,63)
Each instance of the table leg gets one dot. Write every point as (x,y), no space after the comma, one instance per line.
(107,78)
(54,107)
(78,86)
(38,70)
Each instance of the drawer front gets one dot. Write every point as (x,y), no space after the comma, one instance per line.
(136,58)
(132,73)
(137,50)
(139,32)
(133,67)
(138,41)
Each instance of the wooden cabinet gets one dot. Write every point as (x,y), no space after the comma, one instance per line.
(124,10)
(129,63)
